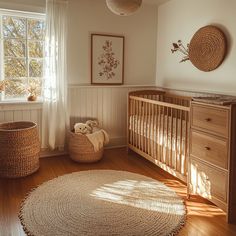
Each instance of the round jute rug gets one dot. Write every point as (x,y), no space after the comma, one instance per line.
(102,202)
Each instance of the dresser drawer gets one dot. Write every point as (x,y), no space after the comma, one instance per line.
(209,148)
(212,119)
(208,181)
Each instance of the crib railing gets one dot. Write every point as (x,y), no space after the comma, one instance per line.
(158,129)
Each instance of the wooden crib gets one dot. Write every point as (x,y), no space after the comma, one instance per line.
(158,129)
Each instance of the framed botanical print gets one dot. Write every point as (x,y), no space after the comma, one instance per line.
(107,59)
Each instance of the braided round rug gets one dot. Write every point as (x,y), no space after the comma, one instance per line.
(102,202)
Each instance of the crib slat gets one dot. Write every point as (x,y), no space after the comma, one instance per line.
(148,122)
(137,120)
(167,137)
(149,129)
(176,139)
(163,130)
(153,131)
(186,142)
(158,134)
(180,169)
(134,122)
(171,137)
(145,128)
(131,121)
(142,124)
(139,124)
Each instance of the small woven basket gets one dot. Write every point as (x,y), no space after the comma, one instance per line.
(82,150)
(19,149)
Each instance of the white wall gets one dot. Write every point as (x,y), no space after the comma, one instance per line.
(24,5)
(93,16)
(180,19)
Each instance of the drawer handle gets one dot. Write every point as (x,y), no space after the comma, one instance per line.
(207,148)
(208,119)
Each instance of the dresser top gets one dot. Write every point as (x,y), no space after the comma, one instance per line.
(216,100)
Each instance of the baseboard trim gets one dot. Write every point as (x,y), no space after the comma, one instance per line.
(114,147)
(48,153)
(115,142)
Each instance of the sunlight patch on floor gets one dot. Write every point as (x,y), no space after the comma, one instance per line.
(148,195)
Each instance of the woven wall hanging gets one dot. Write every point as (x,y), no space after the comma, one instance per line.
(207,48)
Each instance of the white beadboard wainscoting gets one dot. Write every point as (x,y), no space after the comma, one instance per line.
(22,111)
(108,104)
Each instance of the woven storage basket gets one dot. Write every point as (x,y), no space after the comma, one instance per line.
(82,150)
(19,149)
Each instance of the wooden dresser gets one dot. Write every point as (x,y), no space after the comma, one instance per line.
(212,163)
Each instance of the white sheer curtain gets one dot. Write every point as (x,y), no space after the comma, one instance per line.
(54,118)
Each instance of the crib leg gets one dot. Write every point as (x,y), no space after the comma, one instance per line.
(188,192)
(128,150)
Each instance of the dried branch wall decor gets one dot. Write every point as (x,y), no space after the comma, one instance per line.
(179,47)
(206,50)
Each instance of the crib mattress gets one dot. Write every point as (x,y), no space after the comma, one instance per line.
(155,128)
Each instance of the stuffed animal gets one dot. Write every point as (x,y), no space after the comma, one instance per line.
(81,128)
(93,124)
(85,128)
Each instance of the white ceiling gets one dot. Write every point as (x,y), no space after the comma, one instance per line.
(155,2)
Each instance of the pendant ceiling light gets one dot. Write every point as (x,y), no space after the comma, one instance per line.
(124,7)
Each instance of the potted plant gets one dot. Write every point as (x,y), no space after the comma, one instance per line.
(2,85)
(33,90)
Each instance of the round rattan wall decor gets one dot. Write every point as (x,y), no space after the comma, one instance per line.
(207,48)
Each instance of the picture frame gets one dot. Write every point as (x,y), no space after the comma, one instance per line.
(107,59)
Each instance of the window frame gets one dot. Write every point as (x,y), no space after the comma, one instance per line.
(20,14)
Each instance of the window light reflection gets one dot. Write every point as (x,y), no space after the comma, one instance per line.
(147,195)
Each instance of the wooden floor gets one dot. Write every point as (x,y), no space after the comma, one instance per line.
(203,217)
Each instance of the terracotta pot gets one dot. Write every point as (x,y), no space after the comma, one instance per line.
(32,98)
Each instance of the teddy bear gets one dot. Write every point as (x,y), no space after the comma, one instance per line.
(86,128)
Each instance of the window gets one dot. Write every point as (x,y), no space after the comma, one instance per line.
(22,44)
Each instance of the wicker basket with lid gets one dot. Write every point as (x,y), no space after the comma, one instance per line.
(19,149)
